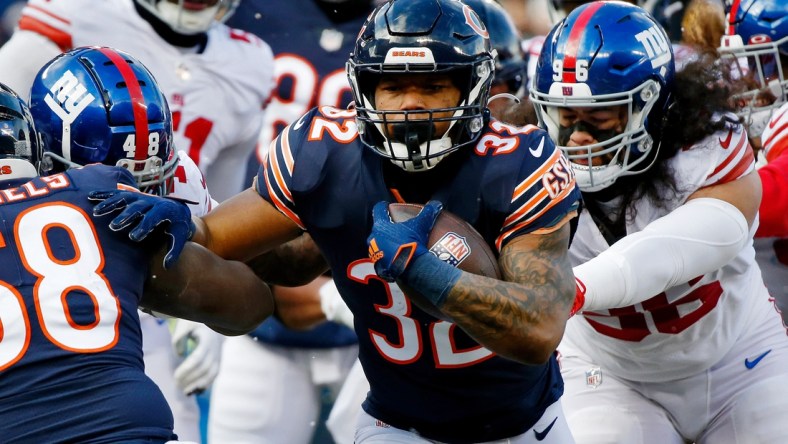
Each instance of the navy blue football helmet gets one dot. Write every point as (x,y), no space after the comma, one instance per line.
(756,44)
(422,36)
(20,147)
(190,16)
(606,54)
(505,39)
(101,105)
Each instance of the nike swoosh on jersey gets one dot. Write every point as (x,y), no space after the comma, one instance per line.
(543,434)
(300,123)
(538,151)
(751,364)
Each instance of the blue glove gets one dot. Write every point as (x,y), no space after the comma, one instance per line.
(392,245)
(399,252)
(144,213)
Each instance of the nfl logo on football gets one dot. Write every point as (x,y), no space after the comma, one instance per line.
(594,377)
(451,248)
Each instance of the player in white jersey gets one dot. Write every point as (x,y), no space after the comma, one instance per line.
(678,340)
(216,79)
(91,132)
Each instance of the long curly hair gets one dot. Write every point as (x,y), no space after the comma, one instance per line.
(701,93)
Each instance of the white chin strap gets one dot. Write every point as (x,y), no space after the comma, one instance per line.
(590,179)
(437,146)
(186,22)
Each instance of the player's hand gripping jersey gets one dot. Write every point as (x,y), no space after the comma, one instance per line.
(513,181)
(695,322)
(216,95)
(72,299)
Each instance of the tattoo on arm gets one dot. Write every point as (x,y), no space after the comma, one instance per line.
(538,285)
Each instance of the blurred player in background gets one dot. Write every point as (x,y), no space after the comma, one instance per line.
(274,382)
(755,44)
(510,64)
(216,80)
(678,340)
(421,132)
(10,10)
(71,367)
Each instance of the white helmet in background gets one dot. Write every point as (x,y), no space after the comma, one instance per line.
(190,16)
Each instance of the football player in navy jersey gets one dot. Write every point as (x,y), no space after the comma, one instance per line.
(420,132)
(71,367)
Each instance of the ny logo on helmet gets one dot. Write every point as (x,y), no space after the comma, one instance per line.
(70,98)
(656,46)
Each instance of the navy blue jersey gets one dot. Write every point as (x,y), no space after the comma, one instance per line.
(71,366)
(310,54)
(425,374)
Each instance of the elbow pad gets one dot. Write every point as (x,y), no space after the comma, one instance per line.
(700,236)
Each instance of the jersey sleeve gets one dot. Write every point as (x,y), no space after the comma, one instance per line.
(40,36)
(276,180)
(546,192)
(775,136)
(733,156)
(49,18)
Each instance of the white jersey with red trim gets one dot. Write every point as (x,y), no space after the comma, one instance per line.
(216,95)
(690,326)
(189,185)
(772,252)
(775,135)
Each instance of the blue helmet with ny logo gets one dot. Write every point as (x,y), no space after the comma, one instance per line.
(755,45)
(101,105)
(606,54)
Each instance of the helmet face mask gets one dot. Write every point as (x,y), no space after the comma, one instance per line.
(595,59)
(755,46)
(190,16)
(439,37)
(99,105)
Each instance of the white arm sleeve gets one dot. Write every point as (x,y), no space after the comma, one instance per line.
(698,237)
(22,57)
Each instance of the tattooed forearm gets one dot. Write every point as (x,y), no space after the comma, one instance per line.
(525,314)
(294,263)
